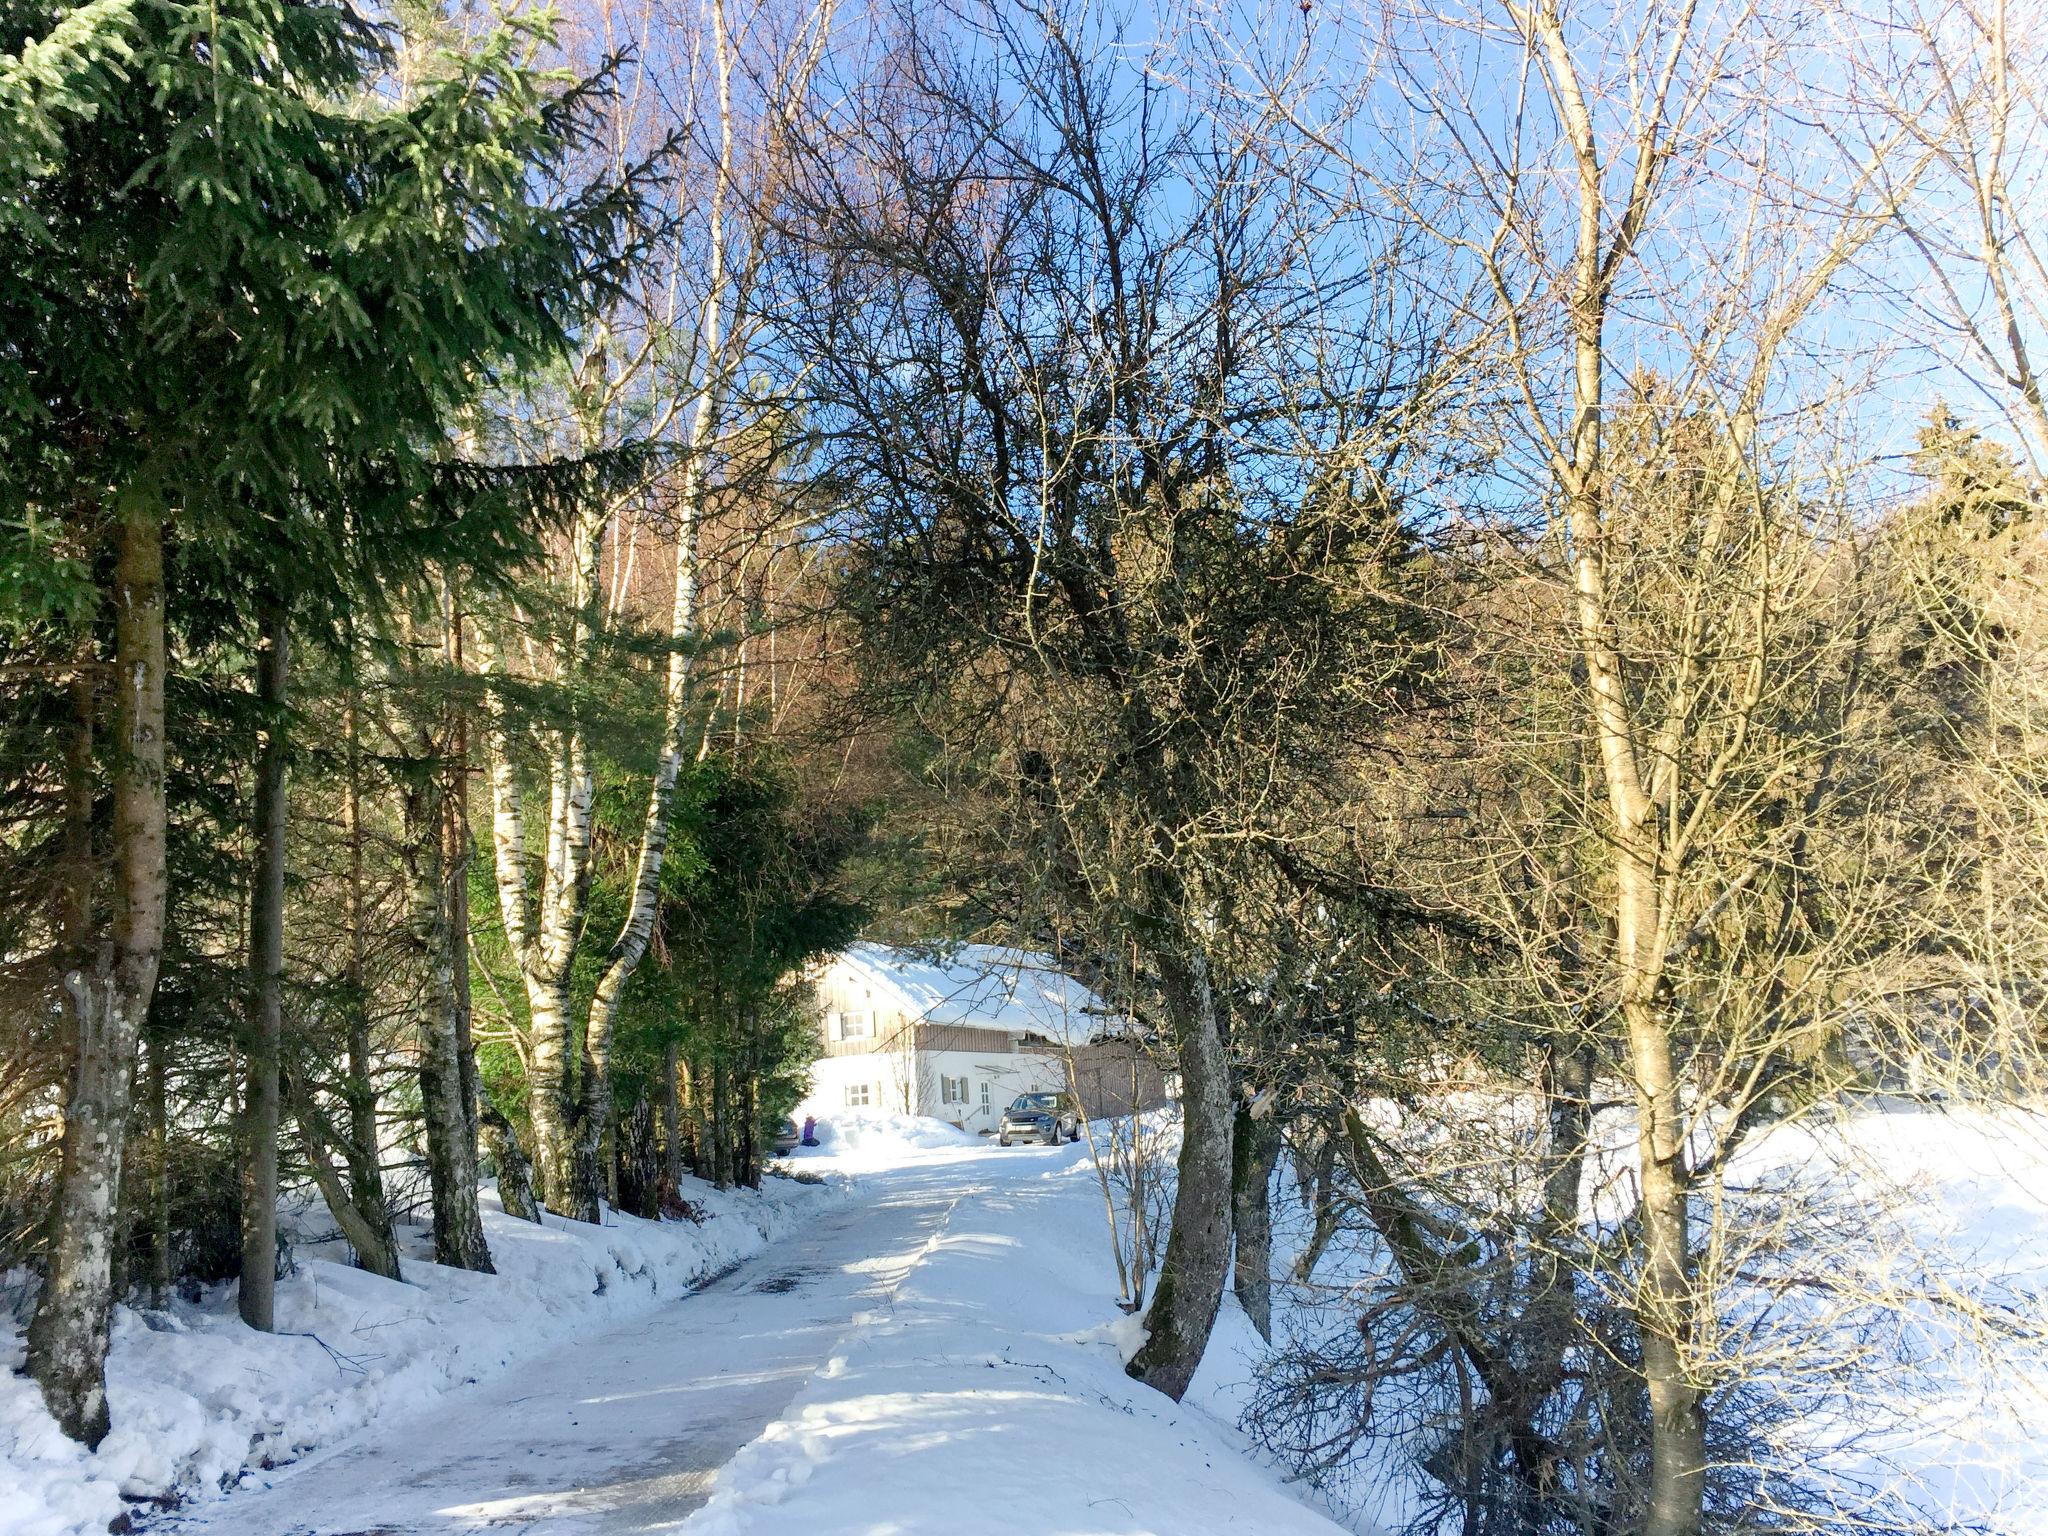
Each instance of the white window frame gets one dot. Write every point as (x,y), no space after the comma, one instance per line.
(856,1024)
(857,1096)
(986,1099)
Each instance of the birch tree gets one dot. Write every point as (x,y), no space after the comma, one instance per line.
(1624,206)
(665,367)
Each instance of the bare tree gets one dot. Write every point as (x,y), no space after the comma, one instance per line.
(1963,83)
(1618,196)
(1115,447)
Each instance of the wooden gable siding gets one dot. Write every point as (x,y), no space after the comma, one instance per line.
(894,1036)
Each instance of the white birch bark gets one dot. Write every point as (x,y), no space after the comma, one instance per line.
(571,1111)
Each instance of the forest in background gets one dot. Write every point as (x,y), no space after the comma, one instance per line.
(1473,571)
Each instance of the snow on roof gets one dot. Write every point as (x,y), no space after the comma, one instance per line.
(982,984)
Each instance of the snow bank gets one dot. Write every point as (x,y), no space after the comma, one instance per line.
(876,1138)
(990,1395)
(1949,1207)
(198,1400)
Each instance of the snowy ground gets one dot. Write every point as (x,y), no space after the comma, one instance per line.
(1949,1211)
(942,1351)
(989,1393)
(201,1404)
(1895,1201)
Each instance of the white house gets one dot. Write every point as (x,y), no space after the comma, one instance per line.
(955,1036)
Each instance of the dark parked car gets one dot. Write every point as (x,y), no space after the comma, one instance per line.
(1046,1117)
(786,1137)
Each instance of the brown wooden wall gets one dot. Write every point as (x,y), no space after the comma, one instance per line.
(1114,1078)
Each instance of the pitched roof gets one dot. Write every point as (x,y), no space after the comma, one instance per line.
(985,984)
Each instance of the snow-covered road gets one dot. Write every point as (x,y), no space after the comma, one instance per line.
(618,1432)
(943,1348)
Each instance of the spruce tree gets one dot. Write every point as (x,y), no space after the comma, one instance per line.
(242,298)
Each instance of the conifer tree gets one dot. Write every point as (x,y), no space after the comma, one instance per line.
(242,299)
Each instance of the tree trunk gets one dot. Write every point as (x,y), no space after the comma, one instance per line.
(1255,1149)
(721,1124)
(639,1171)
(749,1127)
(451,1160)
(451,1103)
(461,849)
(515,1174)
(1189,1287)
(160,1265)
(1318,1181)
(67,1339)
(377,1247)
(672,1116)
(547,1084)
(588,1124)
(1666,1306)
(703,1159)
(368,1230)
(263,1012)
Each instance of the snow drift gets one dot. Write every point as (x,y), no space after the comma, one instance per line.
(199,1401)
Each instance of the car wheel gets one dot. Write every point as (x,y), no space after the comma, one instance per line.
(1002,1141)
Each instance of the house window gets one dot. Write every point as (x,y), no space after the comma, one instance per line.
(856,1095)
(984,1093)
(856,1026)
(952,1090)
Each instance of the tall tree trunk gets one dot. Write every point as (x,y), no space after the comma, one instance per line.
(461,849)
(1189,1287)
(1255,1149)
(377,1245)
(749,1116)
(263,1013)
(160,1265)
(721,1123)
(67,1338)
(672,1116)
(703,1138)
(1665,1303)
(451,1161)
